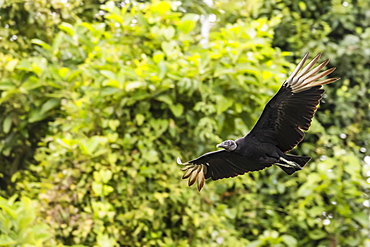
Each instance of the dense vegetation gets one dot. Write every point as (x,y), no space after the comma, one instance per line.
(99,99)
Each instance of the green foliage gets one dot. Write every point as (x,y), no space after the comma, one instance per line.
(19,225)
(23,20)
(96,115)
(127,104)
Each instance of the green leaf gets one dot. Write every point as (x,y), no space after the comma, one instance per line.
(223,104)
(169,32)
(68,28)
(151,156)
(177,109)
(7,124)
(289,240)
(11,65)
(317,234)
(140,119)
(109,74)
(162,70)
(7,85)
(205,60)
(50,104)
(97,188)
(170,48)
(107,189)
(161,7)
(63,72)
(36,115)
(187,26)
(41,43)
(7,241)
(110,91)
(165,98)
(158,56)
(362,218)
(92,144)
(190,17)
(7,208)
(130,86)
(106,175)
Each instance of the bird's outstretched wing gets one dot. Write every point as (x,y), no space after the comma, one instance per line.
(291,110)
(217,165)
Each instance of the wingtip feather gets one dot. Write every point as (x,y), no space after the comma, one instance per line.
(201,178)
(296,70)
(306,78)
(193,173)
(188,172)
(179,161)
(193,176)
(304,71)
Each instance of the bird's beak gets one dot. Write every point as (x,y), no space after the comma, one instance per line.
(220,145)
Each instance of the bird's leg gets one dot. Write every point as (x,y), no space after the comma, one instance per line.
(289,164)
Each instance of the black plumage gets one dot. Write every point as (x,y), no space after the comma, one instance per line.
(278,130)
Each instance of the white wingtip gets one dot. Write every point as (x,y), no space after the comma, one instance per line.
(178,161)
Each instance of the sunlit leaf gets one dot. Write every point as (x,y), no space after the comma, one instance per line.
(41,43)
(6,240)
(68,28)
(11,65)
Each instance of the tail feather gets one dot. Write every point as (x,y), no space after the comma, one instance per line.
(300,160)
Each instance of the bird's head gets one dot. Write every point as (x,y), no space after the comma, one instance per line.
(228,145)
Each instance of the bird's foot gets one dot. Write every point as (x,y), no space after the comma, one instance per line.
(289,164)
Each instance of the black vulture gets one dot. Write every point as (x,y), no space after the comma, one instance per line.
(277,131)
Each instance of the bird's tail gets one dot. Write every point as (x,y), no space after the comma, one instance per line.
(300,160)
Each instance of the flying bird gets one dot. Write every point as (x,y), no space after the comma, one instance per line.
(278,130)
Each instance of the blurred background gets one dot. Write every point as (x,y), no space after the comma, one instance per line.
(99,98)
